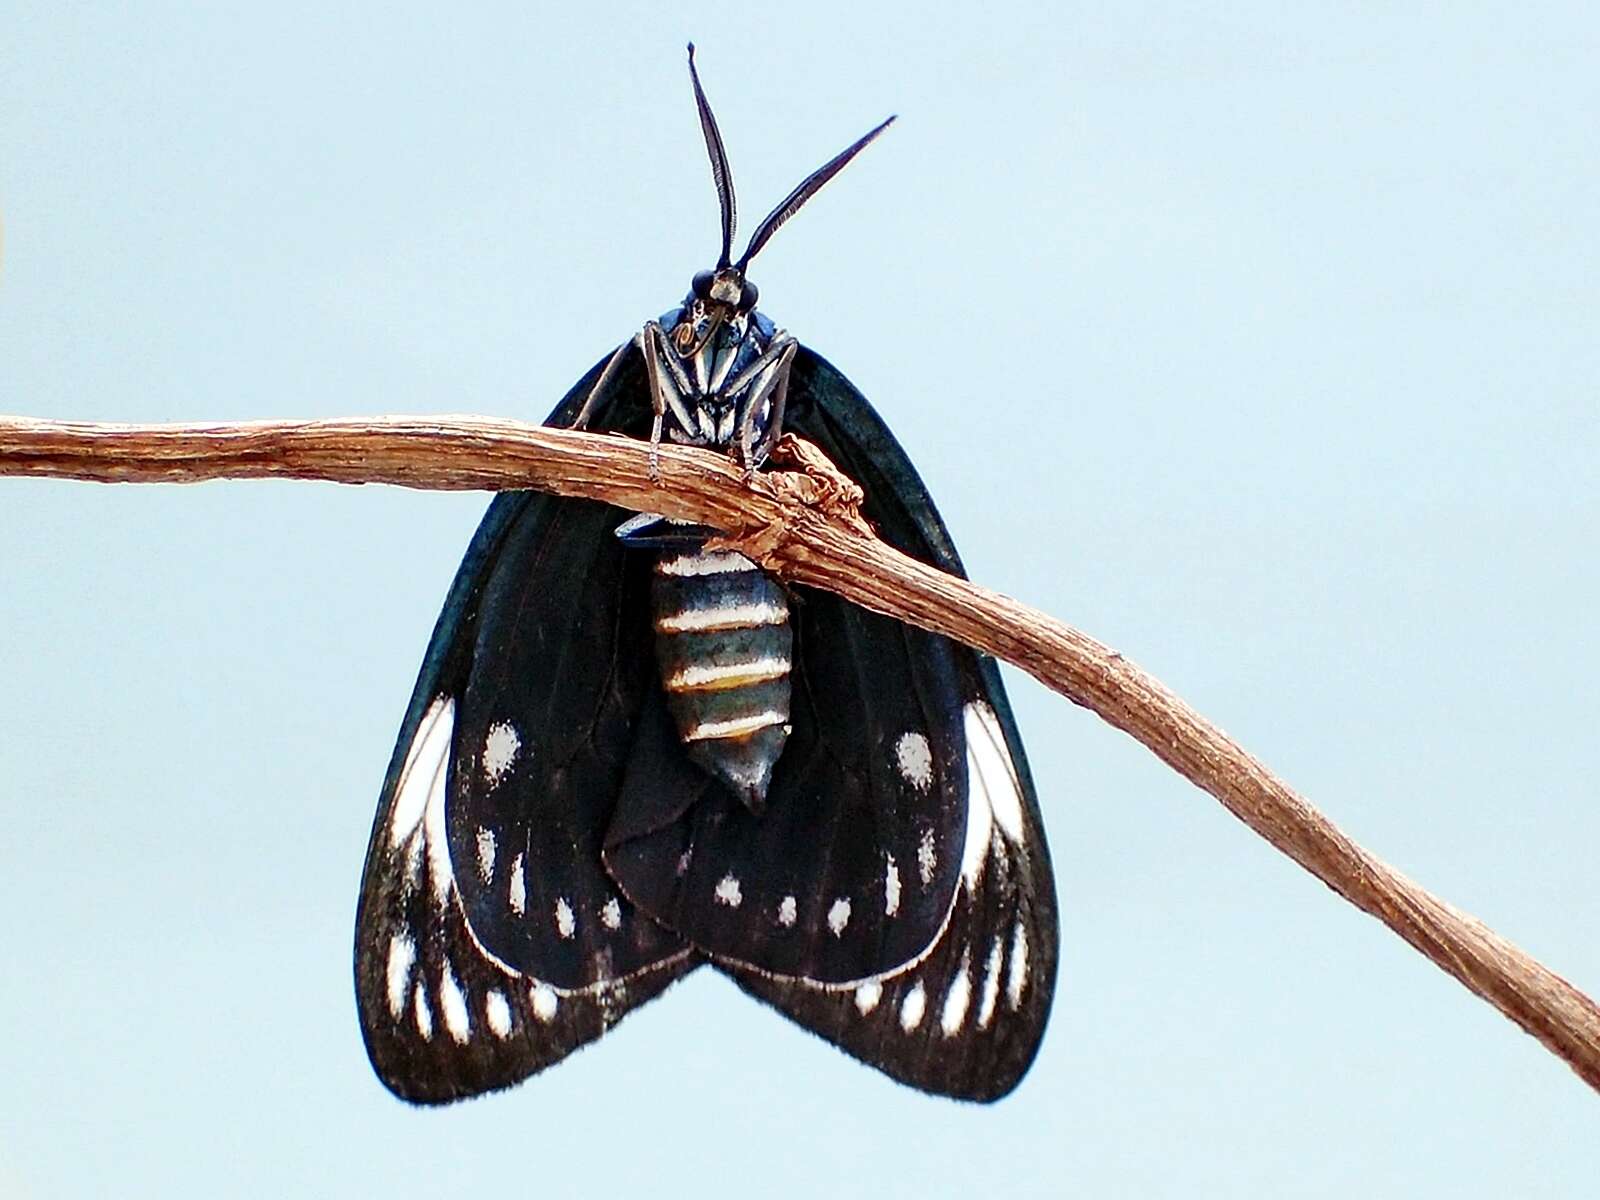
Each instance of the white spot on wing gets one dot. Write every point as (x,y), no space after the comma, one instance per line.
(980,827)
(927,860)
(440,873)
(991,983)
(787,912)
(413,875)
(611,914)
(957,998)
(891,888)
(424,768)
(912,1007)
(485,854)
(868,995)
(454,1006)
(611,995)
(517,890)
(498,1013)
(566,923)
(839,915)
(422,1013)
(914,760)
(997,847)
(544,1002)
(1017,968)
(728,891)
(499,752)
(990,768)
(402,956)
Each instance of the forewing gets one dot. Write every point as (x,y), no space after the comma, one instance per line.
(471,972)
(965,1017)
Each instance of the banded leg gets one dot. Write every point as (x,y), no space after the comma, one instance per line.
(655,357)
(775,383)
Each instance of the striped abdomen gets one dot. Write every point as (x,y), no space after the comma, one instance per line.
(723,643)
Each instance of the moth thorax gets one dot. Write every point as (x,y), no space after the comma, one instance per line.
(723,644)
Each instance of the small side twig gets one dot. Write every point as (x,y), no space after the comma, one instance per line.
(800,527)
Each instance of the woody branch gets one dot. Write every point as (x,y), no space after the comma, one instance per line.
(802,526)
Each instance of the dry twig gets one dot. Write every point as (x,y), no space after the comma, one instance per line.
(802,526)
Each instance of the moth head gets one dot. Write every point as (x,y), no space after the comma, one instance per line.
(726,287)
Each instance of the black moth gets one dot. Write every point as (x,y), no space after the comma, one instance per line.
(627,757)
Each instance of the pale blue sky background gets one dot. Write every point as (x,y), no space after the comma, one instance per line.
(1261,346)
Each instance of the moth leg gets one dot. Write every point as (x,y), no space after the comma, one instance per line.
(780,398)
(780,345)
(586,413)
(666,395)
(674,365)
(657,406)
(772,368)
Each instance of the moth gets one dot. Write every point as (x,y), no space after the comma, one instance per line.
(629,756)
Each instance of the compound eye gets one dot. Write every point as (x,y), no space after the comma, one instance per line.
(702,285)
(748,295)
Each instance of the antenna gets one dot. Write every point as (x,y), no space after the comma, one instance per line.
(809,187)
(720,174)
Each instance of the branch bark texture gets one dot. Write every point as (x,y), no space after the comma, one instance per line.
(802,526)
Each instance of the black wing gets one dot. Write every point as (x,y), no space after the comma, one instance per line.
(490,942)
(895,898)
(964,1016)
